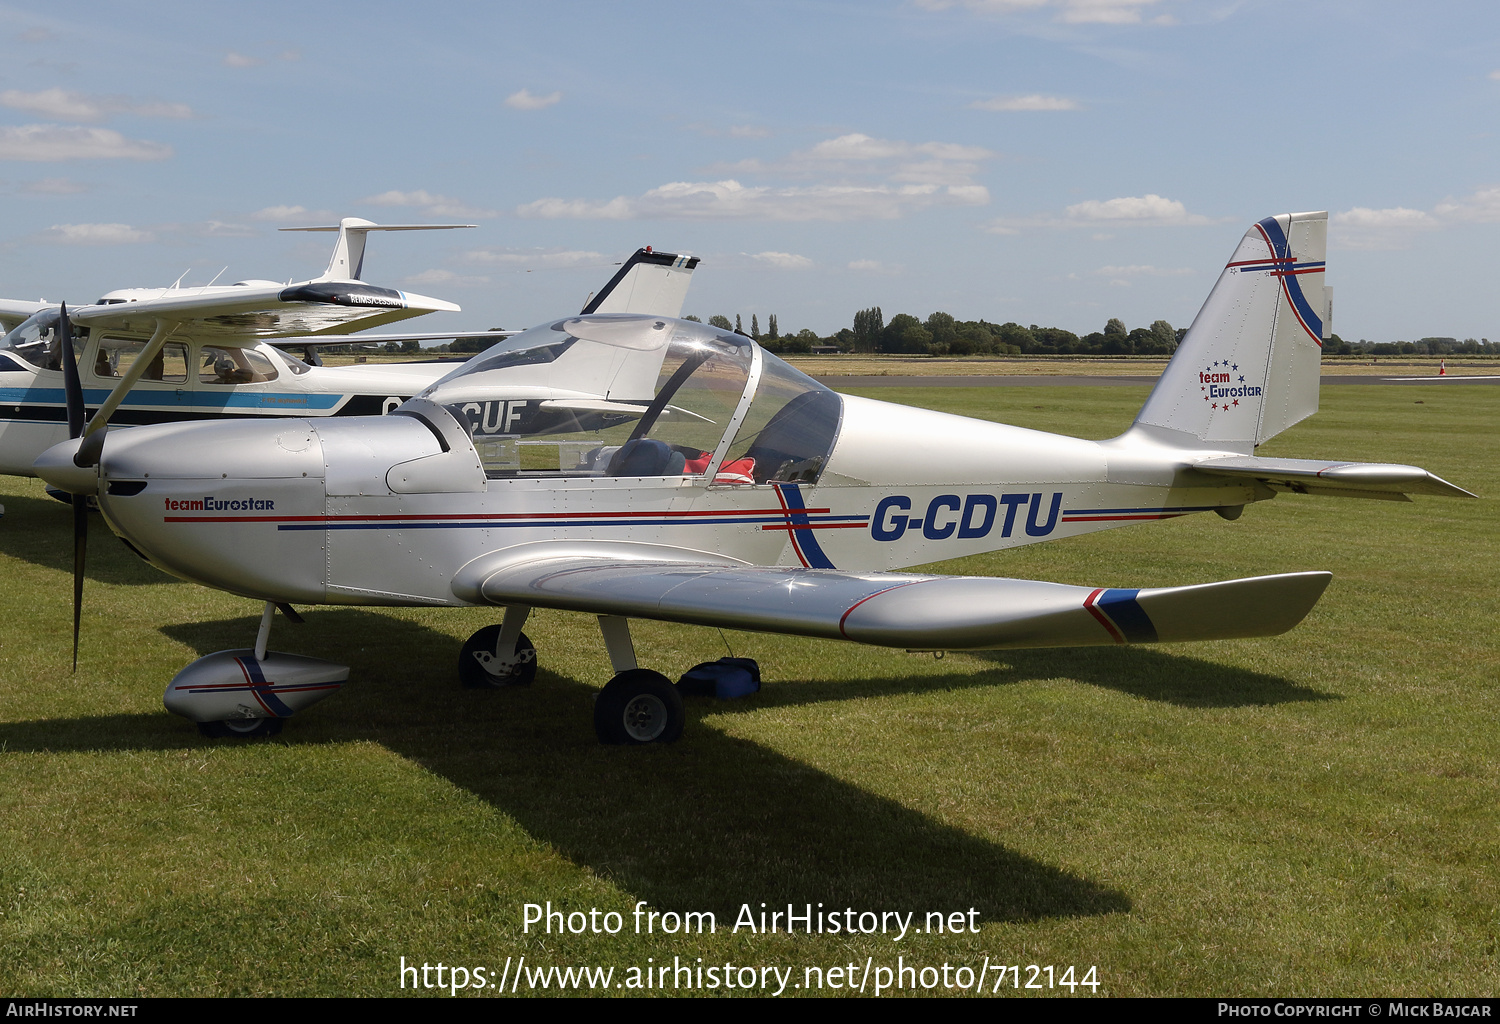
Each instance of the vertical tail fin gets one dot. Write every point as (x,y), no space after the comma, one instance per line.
(654,283)
(1248,367)
(348,260)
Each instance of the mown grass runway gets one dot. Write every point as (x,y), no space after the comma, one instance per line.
(1315,814)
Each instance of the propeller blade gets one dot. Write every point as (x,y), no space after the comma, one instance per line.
(72,383)
(73,390)
(80,550)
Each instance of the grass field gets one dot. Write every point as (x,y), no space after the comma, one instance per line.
(1313,814)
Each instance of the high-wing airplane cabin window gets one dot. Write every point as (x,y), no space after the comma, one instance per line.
(36,341)
(115,357)
(234,366)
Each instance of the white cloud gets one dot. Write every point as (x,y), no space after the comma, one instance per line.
(855,177)
(225,229)
(446,278)
(1144,270)
(730,200)
(1395,227)
(95,234)
(1495,75)
(1481,207)
(1150,210)
(737,131)
(1034,101)
(78,106)
(54,142)
(874,267)
(1147,209)
(287,214)
(781,260)
(531,259)
(857,155)
(1069,12)
(526,100)
(429,203)
(240,60)
(54,187)
(1363,228)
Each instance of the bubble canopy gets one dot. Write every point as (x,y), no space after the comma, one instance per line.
(641,396)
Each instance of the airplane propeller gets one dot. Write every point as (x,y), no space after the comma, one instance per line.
(73,390)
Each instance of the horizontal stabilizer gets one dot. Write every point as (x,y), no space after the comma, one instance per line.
(348,260)
(900,610)
(1342,479)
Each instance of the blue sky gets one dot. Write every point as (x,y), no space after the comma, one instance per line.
(1056,162)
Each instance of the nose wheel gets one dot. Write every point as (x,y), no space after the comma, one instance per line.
(485,663)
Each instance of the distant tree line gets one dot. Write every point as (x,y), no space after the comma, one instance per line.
(1336,346)
(941,335)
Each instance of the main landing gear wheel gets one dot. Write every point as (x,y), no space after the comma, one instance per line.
(638,706)
(477,664)
(242,728)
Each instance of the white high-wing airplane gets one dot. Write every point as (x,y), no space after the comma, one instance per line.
(641,466)
(221,351)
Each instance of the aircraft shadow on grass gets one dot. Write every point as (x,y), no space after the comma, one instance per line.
(707,823)
(40,531)
(1152,674)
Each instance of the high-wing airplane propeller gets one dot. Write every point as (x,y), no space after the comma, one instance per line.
(631,466)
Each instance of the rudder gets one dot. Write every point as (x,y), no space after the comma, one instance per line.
(654,283)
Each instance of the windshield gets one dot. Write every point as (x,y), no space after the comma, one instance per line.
(640,396)
(37,342)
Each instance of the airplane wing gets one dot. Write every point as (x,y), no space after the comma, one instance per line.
(15,312)
(1339,479)
(248,314)
(917,612)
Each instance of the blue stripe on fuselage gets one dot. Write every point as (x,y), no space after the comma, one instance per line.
(169,401)
(806,539)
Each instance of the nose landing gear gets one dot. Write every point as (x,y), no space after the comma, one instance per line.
(499,655)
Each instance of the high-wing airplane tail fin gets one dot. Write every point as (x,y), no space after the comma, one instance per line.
(653,283)
(348,260)
(1248,367)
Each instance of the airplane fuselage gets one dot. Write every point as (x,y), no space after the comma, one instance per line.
(310,502)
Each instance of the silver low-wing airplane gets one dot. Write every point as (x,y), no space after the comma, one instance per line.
(646,467)
(195,353)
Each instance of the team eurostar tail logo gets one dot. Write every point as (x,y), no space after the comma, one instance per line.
(1223,386)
